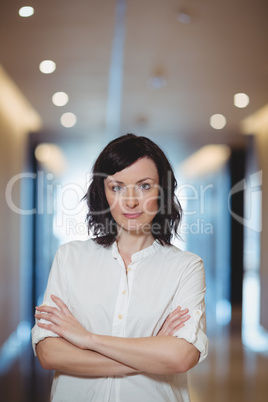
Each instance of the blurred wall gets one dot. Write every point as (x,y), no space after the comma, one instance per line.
(17,119)
(258,124)
(262,146)
(12,144)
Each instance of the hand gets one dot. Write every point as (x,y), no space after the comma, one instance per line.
(63,323)
(174,321)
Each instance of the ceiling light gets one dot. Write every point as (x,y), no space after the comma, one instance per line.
(241,100)
(26,11)
(156,82)
(21,116)
(43,152)
(47,66)
(68,119)
(60,99)
(51,157)
(256,123)
(206,160)
(184,17)
(217,121)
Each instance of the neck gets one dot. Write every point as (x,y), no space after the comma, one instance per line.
(130,243)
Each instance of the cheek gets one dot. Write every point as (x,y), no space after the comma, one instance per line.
(150,204)
(109,199)
(113,201)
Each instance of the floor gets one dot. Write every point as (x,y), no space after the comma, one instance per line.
(25,381)
(231,373)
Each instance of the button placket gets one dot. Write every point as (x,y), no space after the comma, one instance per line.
(130,276)
(121,307)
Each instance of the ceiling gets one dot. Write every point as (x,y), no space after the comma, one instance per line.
(107,50)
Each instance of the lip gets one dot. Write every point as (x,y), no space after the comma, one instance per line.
(133,215)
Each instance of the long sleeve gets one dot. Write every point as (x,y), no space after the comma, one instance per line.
(57,285)
(191,294)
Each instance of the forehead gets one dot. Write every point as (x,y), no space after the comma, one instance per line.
(142,168)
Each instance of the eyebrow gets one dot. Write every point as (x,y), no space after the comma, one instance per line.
(139,181)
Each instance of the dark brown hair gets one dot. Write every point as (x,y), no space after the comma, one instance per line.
(116,156)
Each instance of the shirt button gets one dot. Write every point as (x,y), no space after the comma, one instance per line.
(124,292)
(129,269)
(120,317)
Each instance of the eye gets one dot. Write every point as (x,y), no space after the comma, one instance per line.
(145,186)
(117,188)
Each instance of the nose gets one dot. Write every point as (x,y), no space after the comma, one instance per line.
(132,198)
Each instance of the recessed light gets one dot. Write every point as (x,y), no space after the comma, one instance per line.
(184,17)
(241,100)
(60,99)
(217,121)
(26,11)
(51,157)
(68,119)
(156,82)
(43,152)
(47,66)
(206,160)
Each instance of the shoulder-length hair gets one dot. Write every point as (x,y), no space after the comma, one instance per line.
(116,156)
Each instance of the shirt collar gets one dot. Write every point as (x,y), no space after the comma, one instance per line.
(139,255)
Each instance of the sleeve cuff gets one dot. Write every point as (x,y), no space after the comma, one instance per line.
(38,334)
(193,334)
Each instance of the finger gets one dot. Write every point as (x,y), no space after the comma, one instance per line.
(60,304)
(176,329)
(180,320)
(174,316)
(179,311)
(174,324)
(170,318)
(50,327)
(48,317)
(175,311)
(182,312)
(177,315)
(48,310)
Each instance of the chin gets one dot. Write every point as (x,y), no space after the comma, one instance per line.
(137,228)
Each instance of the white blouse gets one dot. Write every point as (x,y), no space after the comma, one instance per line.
(92,281)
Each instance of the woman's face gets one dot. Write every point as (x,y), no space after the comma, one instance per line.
(132,195)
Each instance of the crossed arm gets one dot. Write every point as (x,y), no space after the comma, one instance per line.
(79,352)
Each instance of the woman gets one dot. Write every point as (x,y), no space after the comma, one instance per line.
(114,322)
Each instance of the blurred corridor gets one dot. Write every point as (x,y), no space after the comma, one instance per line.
(193,78)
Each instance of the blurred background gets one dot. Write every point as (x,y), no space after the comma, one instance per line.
(192,75)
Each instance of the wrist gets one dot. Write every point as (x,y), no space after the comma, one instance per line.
(91,341)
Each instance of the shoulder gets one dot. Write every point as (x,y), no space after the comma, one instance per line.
(80,247)
(184,263)
(172,252)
